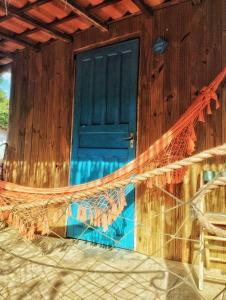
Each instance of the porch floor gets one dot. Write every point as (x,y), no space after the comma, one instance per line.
(53,268)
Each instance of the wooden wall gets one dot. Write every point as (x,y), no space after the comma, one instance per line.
(39,135)
(42,104)
(41,117)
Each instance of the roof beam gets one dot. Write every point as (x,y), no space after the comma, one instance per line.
(25,8)
(71,16)
(4,54)
(169,4)
(34,22)
(16,39)
(54,23)
(85,13)
(146,9)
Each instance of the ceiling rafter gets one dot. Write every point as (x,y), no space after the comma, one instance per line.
(12,11)
(14,38)
(83,12)
(25,8)
(71,16)
(146,9)
(169,4)
(4,54)
(56,22)
(89,13)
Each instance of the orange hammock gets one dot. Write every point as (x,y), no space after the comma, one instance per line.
(102,200)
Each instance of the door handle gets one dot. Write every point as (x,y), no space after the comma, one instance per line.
(131,139)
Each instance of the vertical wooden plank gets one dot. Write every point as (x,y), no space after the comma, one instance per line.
(171,106)
(214,65)
(214,124)
(22,107)
(144,132)
(199,62)
(37,121)
(184,99)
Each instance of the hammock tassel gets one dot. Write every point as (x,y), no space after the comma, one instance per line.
(81,214)
(91,219)
(110,218)
(97,217)
(10,219)
(108,198)
(31,232)
(209,112)
(191,146)
(193,134)
(215,98)
(201,117)
(122,199)
(69,211)
(22,228)
(114,211)
(45,227)
(104,222)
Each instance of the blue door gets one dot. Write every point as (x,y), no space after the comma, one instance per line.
(105,131)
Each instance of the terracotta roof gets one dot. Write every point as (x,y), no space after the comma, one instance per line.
(29,23)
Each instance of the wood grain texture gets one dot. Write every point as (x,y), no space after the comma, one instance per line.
(41,109)
(40,118)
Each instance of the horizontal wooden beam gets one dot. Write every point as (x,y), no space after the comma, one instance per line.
(52,24)
(25,8)
(71,16)
(146,9)
(169,4)
(34,22)
(16,39)
(85,13)
(6,54)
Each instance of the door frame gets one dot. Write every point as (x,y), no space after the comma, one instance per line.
(129,28)
(93,47)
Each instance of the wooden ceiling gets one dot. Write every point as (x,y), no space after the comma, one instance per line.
(33,23)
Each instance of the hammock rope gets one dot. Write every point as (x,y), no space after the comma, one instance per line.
(102,200)
(189,161)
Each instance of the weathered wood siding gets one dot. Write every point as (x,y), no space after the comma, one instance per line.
(42,104)
(39,135)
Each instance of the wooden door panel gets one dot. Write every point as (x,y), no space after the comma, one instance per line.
(105,115)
